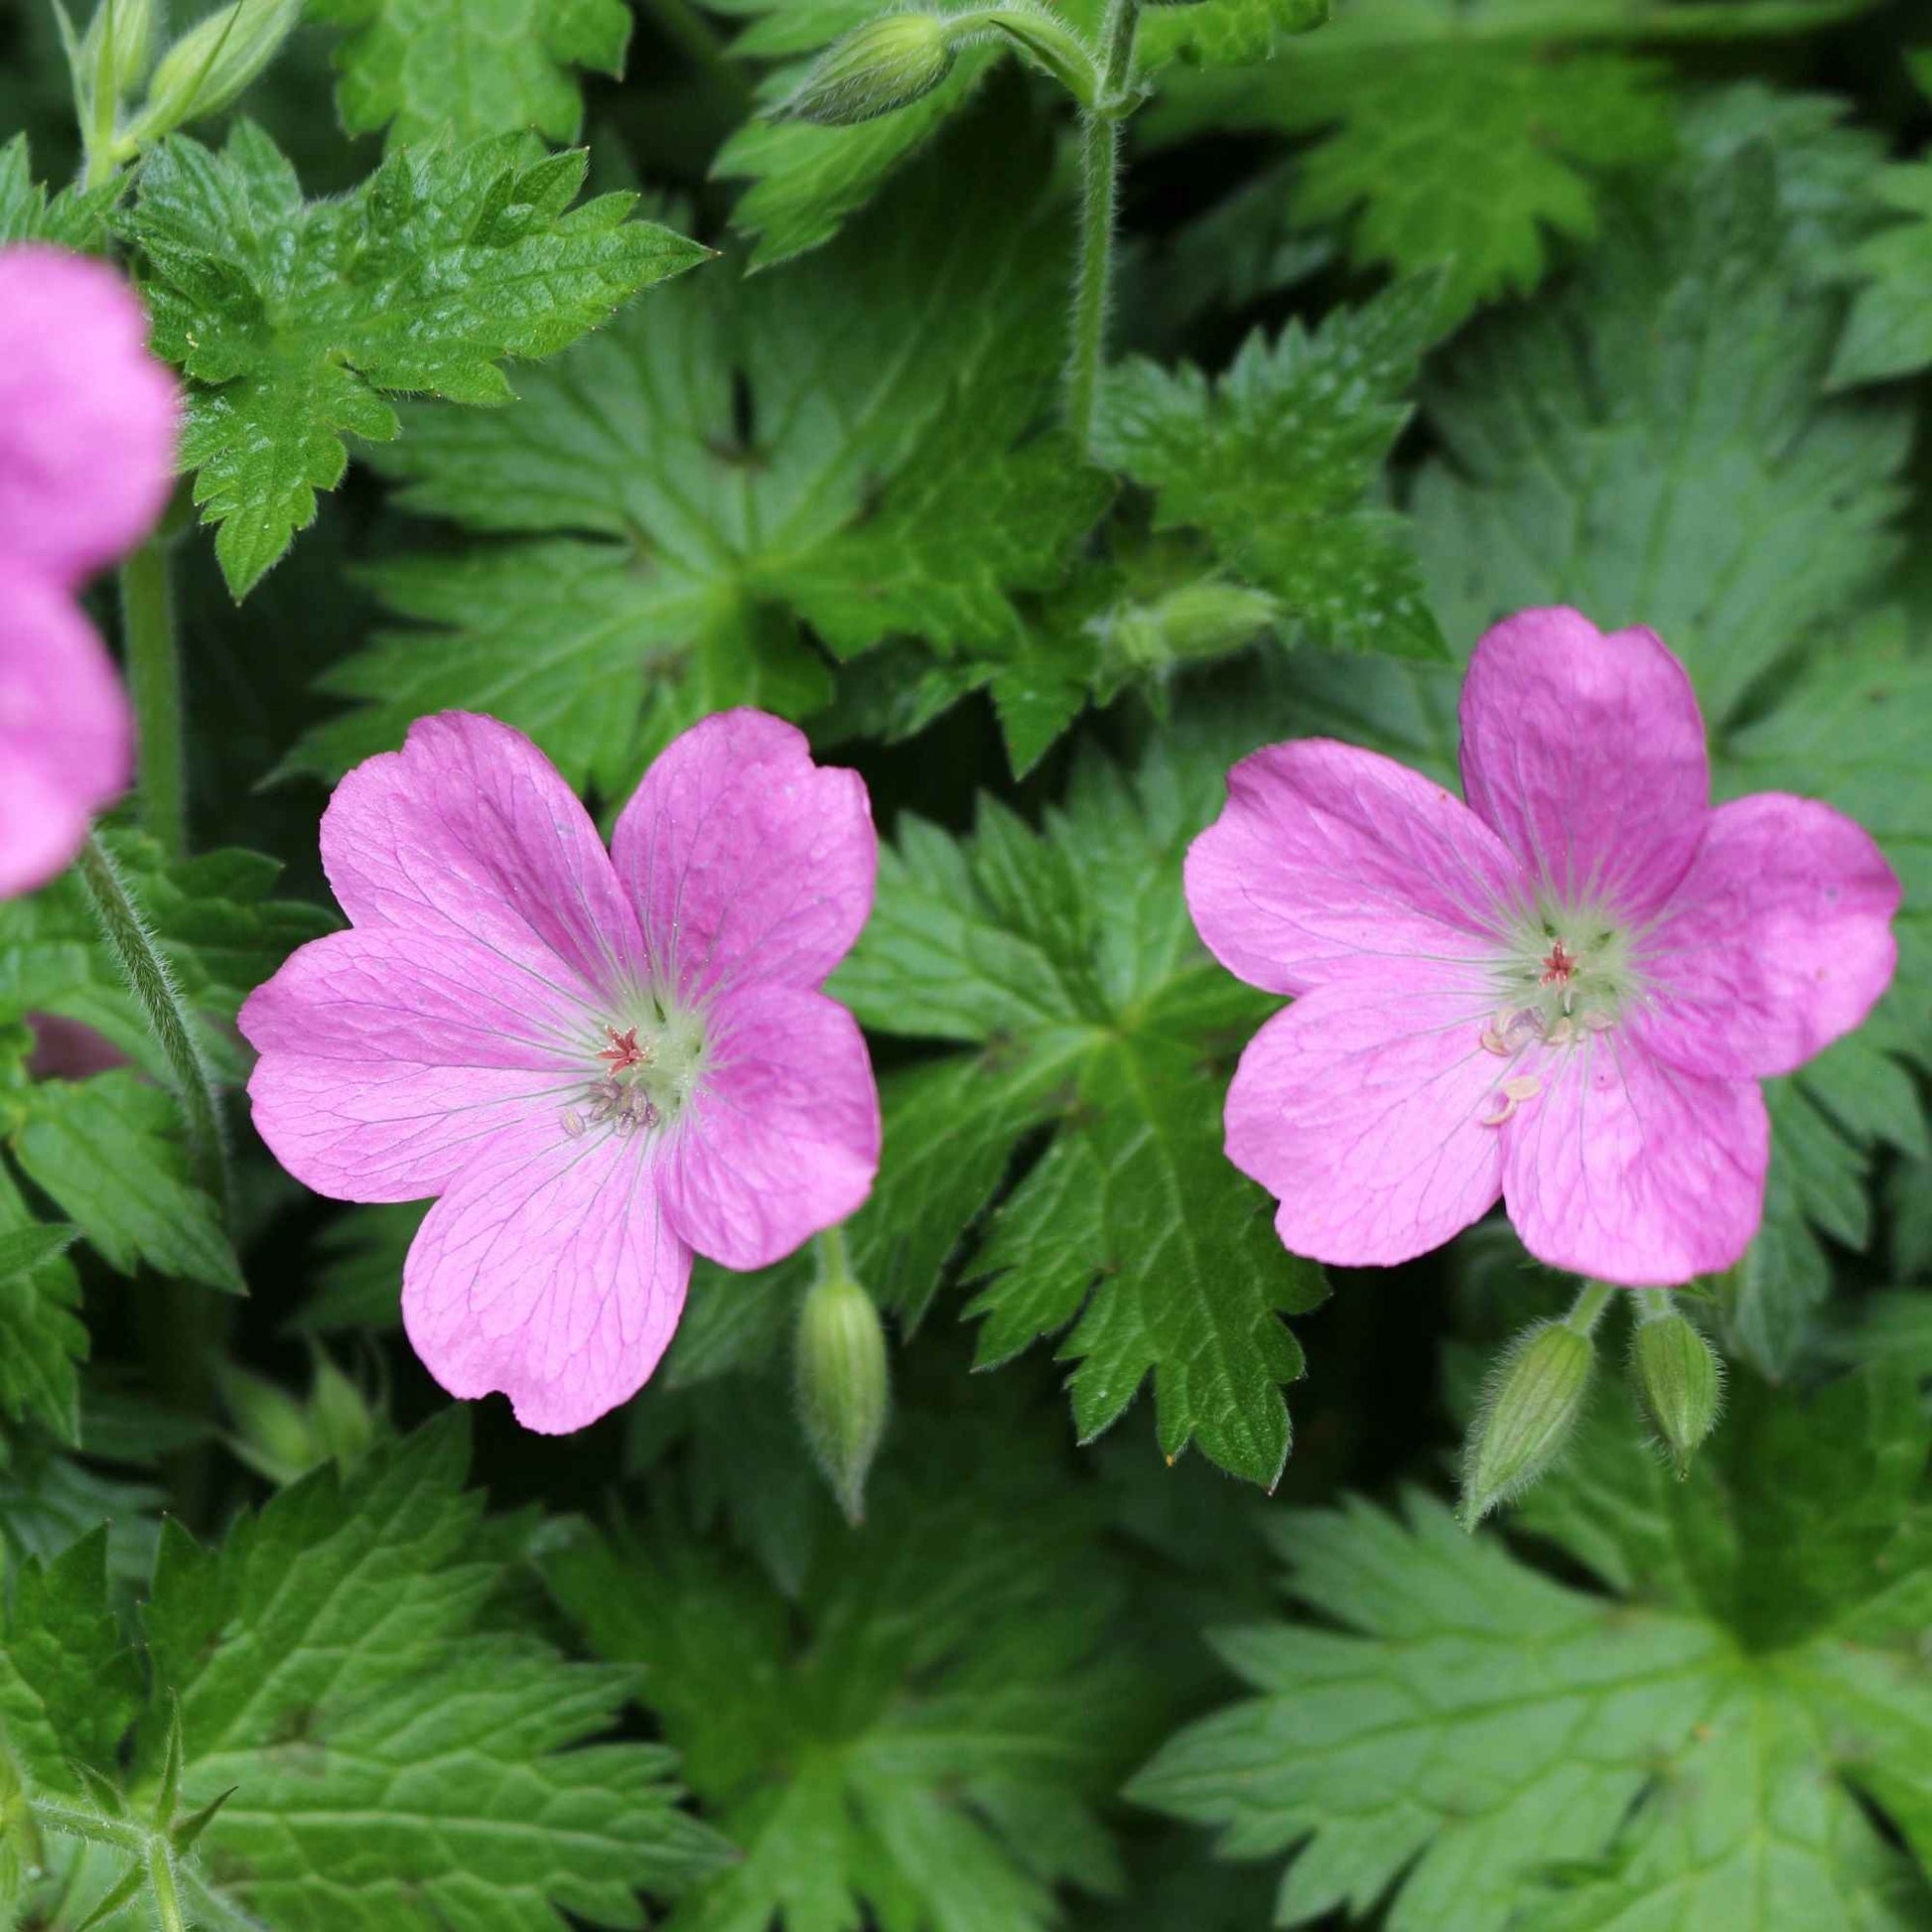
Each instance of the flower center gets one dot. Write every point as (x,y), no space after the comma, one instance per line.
(645,1075)
(1567,972)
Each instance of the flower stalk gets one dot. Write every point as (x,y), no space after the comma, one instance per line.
(154,688)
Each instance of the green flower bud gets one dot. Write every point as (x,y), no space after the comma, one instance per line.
(843,1384)
(887,62)
(116,47)
(1199,621)
(1681,1380)
(215,61)
(1530,1406)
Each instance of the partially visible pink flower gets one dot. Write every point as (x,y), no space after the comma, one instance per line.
(88,425)
(1564,992)
(599,1061)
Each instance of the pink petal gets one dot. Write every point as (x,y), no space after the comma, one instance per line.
(390,1059)
(1777,941)
(1585,752)
(548,1273)
(1328,862)
(470,830)
(1360,1109)
(65,739)
(744,859)
(783,1139)
(88,417)
(1632,1171)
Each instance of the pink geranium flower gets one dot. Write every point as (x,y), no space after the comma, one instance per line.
(599,1061)
(87,423)
(1564,992)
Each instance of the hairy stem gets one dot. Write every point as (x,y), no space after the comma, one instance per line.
(161,1879)
(1099,193)
(1587,1308)
(152,982)
(154,685)
(833,1257)
(1654,1304)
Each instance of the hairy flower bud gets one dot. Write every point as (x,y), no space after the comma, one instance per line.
(1197,621)
(116,47)
(1681,1380)
(1530,1406)
(215,61)
(887,62)
(843,1384)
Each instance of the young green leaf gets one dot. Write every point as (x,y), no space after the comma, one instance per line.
(1275,460)
(71,218)
(469,69)
(1499,1750)
(1889,330)
(1067,964)
(42,1337)
(833,443)
(924,1738)
(294,319)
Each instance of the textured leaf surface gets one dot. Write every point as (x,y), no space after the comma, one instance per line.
(1067,963)
(68,218)
(832,444)
(467,68)
(1502,1749)
(922,1738)
(1275,459)
(397,1765)
(295,317)
(1466,137)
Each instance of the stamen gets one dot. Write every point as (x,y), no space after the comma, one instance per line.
(1512,1093)
(573,1123)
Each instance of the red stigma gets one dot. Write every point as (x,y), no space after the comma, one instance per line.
(1557,969)
(623,1050)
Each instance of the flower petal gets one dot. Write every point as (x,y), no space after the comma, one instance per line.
(66,740)
(1360,1109)
(1632,1171)
(548,1273)
(1585,752)
(390,1058)
(744,859)
(1777,943)
(88,417)
(470,829)
(1328,862)
(784,1136)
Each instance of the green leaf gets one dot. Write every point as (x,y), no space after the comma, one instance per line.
(358,1270)
(293,318)
(1067,963)
(1275,460)
(467,68)
(832,445)
(332,1665)
(71,218)
(1890,331)
(107,1150)
(922,1738)
(1499,1750)
(42,1337)
(1223,33)
(1464,136)
(67,1684)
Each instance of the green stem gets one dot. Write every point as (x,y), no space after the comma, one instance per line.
(152,982)
(834,1258)
(1587,1308)
(154,685)
(161,1877)
(1654,1304)
(1099,191)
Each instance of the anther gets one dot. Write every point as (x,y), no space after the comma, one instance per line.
(1511,1094)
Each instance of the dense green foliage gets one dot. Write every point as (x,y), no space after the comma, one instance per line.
(541,360)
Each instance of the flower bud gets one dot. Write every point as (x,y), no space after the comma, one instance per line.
(887,62)
(1681,1380)
(1530,1407)
(843,1384)
(215,61)
(116,46)
(1197,621)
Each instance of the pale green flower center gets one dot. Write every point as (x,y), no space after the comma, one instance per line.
(1565,974)
(650,1066)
